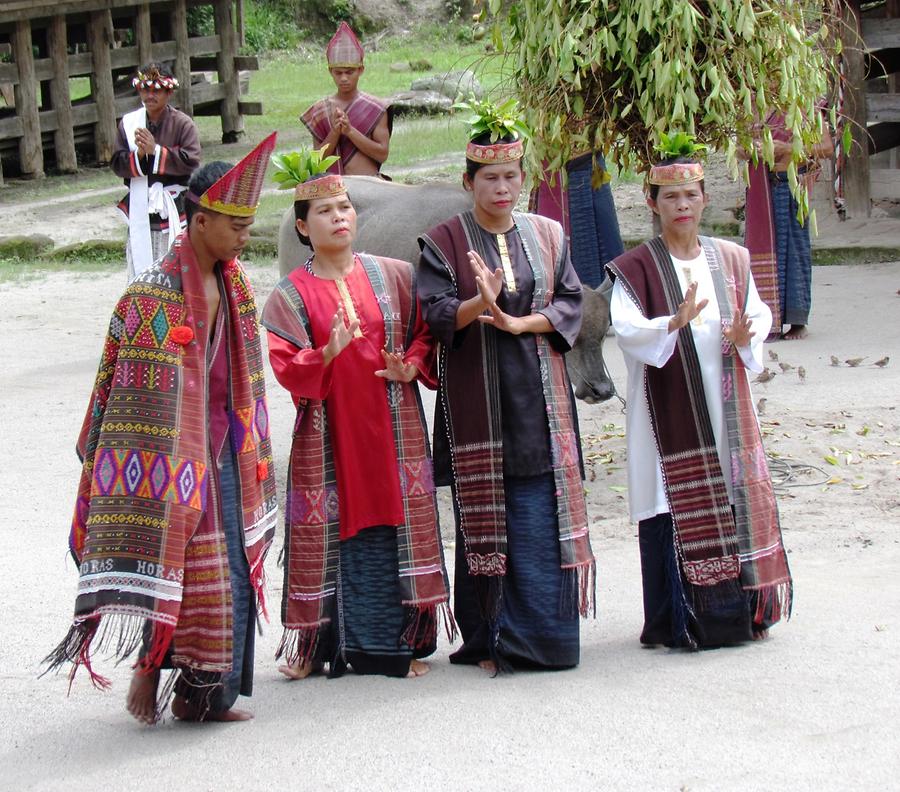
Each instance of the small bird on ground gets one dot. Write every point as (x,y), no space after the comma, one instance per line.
(773,356)
(761,406)
(767,374)
(883,362)
(835,361)
(785,367)
(801,372)
(854,362)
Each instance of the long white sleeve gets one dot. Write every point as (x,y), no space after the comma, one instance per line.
(646,340)
(760,323)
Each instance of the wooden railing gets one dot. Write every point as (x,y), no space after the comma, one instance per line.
(46,123)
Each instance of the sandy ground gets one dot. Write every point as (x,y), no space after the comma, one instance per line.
(812,708)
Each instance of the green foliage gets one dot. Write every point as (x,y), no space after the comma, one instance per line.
(615,74)
(296,167)
(324,15)
(498,119)
(271,25)
(201,20)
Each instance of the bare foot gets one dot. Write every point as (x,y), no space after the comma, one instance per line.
(760,635)
(184,711)
(795,333)
(417,668)
(488,665)
(141,700)
(300,671)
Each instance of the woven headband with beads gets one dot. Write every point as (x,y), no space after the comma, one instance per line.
(675,174)
(153,79)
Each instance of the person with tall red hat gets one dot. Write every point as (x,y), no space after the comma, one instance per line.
(176,504)
(352,125)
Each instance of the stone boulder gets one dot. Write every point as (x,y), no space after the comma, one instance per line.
(420,102)
(452,85)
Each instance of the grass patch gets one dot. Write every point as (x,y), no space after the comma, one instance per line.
(286,84)
(824,257)
(14,270)
(289,82)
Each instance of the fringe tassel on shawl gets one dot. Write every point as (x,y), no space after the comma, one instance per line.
(164,694)
(258,581)
(773,603)
(489,595)
(110,634)
(299,644)
(422,625)
(578,594)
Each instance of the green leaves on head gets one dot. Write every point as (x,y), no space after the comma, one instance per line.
(498,119)
(679,144)
(296,167)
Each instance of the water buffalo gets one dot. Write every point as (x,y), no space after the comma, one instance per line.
(391,216)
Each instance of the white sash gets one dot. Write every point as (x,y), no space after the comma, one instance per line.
(140,249)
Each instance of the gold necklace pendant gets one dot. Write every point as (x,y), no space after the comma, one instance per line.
(349,307)
(508,275)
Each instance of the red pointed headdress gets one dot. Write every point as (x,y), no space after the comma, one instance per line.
(344,50)
(237,193)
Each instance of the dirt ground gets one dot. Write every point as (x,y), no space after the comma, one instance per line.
(812,708)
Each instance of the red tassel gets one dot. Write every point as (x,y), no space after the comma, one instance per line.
(258,581)
(84,658)
(160,641)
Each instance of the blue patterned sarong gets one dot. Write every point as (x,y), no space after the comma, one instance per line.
(532,630)
(793,255)
(593,225)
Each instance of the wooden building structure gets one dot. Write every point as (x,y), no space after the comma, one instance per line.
(871,102)
(45,44)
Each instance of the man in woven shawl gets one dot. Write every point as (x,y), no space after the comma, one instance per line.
(691,324)
(176,505)
(501,296)
(352,125)
(157,150)
(780,253)
(364,576)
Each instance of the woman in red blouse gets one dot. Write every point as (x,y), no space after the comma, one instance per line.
(364,568)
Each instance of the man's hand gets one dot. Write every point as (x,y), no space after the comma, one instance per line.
(145,142)
(340,121)
(341,335)
(739,333)
(395,369)
(688,310)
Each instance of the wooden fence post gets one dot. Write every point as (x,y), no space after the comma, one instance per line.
(31,153)
(182,57)
(856,170)
(99,40)
(60,98)
(142,34)
(232,121)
